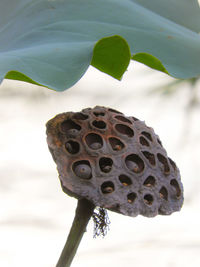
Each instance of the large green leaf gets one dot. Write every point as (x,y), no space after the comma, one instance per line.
(51,42)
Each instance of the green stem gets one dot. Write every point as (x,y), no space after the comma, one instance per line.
(83,214)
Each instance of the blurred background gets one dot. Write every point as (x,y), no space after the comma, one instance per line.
(36,216)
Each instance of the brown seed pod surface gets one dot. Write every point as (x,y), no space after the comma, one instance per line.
(116,162)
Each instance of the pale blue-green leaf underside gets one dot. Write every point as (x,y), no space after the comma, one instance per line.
(51,42)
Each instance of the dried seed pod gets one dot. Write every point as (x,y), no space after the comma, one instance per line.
(114,161)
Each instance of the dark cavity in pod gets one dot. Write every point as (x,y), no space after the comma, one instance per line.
(107,187)
(72,147)
(99,113)
(116,143)
(131,197)
(176,187)
(69,127)
(163,193)
(125,180)
(134,118)
(150,157)
(148,199)
(150,181)
(159,142)
(134,163)
(173,164)
(99,124)
(164,162)
(123,119)
(82,169)
(147,135)
(114,111)
(105,164)
(94,141)
(143,141)
(80,116)
(124,129)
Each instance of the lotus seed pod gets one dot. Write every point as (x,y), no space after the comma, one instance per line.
(114,161)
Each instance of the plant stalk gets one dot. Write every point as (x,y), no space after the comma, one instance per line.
(83,214)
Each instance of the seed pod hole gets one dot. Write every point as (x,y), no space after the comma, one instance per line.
(124,129)
(72,147)
(176,187)
(148,199)
(98,114)
(94,141)
(134,163)
(131,197)
(163,193)
(125,180)
(82,169)
(116,143)
(159,142)
(99,124)
(147,135)
(173,164)
(80,116)
(70,127)
(105,164)
(164,162)
(150,181)
(122,118)
(114,111)
(150,157)
(86,110)
(134,118)
(107,187)
(143,141)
